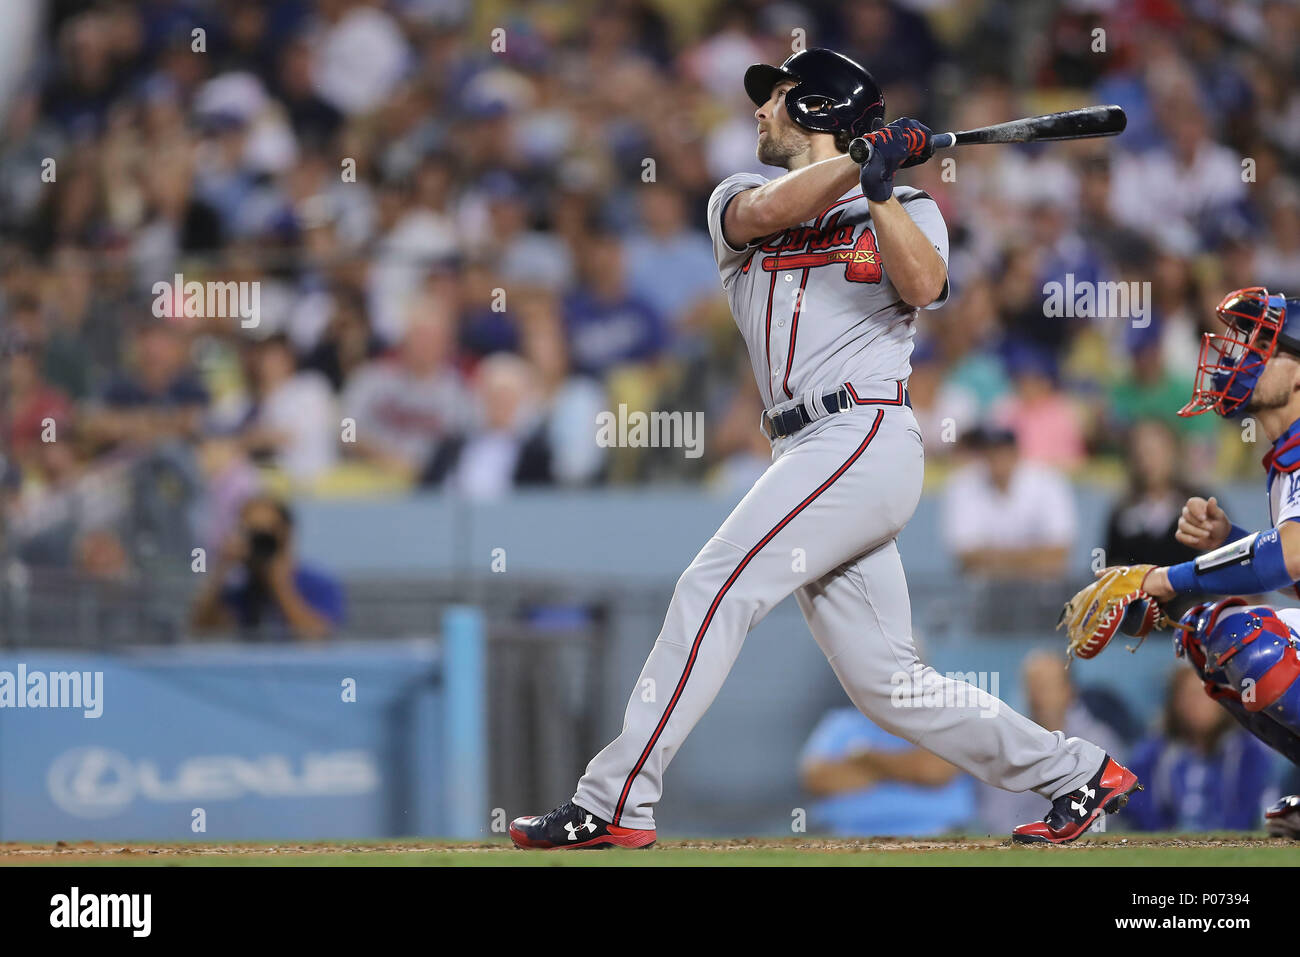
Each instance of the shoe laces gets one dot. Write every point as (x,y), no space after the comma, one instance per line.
(568,811)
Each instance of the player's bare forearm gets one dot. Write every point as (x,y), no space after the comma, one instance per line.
(915,267)
(1157,584)
(788,201)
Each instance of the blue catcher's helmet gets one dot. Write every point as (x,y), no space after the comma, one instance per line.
(1259,323)
(1247,653)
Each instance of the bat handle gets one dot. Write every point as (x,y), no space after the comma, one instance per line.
(860,149)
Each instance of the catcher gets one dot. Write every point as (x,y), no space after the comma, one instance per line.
(1247,655)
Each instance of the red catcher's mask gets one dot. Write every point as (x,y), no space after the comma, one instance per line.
(1231,363)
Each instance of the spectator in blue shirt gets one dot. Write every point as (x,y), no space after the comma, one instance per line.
(668,247)
(607,324)
(868,781)
(1201,772)
(259,587)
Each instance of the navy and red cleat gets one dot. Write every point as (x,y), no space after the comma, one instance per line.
(1283,818)
(1072,814)
(570,827)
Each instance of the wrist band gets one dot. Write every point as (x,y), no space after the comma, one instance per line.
(1251,565)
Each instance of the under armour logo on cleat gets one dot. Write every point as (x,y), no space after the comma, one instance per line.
(1081,805)
(573,829)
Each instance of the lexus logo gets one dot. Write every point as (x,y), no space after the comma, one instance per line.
(91,782)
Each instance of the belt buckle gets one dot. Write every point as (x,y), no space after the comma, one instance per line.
(778,425)
(837,401)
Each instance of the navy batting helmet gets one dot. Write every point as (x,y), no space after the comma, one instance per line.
(832,94)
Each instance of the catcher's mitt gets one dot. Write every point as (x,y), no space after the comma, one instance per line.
(1114,602)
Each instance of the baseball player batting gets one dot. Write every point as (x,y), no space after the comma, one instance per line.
(825,269)
(1247,655)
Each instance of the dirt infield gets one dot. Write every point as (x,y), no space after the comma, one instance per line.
(81,852)
(1112,849)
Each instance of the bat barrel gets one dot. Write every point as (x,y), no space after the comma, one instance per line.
(1067,125)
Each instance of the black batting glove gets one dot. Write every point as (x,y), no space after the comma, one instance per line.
(901,144)
(917,136)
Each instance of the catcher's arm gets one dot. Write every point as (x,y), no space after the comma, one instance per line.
(1258,563)
(1129,598)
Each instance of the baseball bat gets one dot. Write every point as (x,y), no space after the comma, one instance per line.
(1080,124)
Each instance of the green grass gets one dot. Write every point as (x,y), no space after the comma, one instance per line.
(1227,850)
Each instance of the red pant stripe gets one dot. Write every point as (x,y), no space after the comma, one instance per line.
(708,618)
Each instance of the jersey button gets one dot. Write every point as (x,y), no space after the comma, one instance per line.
(781,323)
(789,278)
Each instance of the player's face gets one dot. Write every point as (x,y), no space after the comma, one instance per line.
(779,139)
(1276,385)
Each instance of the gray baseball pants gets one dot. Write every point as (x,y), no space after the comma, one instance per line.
(821,522)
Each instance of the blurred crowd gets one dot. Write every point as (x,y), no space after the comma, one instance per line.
(475,226)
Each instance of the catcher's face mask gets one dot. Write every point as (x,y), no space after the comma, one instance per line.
(1231,363)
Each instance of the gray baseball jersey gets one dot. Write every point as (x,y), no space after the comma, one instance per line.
(817,311)
(814,303)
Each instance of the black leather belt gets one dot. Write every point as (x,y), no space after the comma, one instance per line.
(778,425)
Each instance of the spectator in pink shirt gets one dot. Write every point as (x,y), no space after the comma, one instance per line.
(1047,425)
